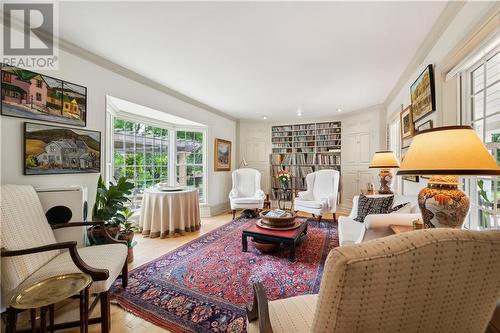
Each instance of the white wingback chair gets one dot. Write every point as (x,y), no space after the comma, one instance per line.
(246,192)
(321,195)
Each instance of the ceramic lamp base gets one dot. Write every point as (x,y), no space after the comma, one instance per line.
(442,203)
(385,181)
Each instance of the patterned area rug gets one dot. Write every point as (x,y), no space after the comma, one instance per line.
(204,285)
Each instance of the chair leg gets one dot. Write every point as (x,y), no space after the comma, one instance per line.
(11,320)
(125,275)
(105,313)
(335,217)
(234,214)
(319,218)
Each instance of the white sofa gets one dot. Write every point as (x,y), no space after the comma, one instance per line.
(376,225)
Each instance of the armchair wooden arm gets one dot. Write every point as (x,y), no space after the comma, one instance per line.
(259,309)
(109,239)
(96,273)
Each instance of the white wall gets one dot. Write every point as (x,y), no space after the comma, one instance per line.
(254,137)
(444,52)
(101,82)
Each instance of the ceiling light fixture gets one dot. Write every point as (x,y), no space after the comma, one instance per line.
(299,111)
(339,110)
(265,117)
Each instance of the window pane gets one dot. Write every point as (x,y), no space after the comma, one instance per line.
(492,128)
(493,99)
(189,159)
(477,79)
(493,69)
(478,106)
(479,128)
(485,219)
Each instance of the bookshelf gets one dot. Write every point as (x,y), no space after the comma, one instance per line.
(302,149)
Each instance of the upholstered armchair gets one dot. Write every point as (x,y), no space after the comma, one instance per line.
(246,192)
(30,253)
(433,280)
(321,195)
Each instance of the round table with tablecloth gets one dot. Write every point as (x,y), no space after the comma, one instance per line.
(164,213)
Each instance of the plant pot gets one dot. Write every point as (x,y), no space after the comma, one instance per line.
(129,236)
(98,235)
(130,255)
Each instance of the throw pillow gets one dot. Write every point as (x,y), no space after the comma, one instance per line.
(373,205)
(400,209)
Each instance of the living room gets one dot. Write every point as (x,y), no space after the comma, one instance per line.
(250,166)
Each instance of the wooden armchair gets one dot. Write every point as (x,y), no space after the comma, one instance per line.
(433,280)
(30,253)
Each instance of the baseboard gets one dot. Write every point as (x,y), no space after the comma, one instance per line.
(213,210)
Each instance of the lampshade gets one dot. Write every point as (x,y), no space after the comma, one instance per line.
(452,150)
(384,160)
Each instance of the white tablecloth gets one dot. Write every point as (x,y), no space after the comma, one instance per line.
(165,213)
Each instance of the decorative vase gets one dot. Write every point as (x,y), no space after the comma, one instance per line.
(284,185)
(442,203)
(385,181)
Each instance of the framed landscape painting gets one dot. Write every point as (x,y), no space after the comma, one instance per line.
(30,95)
(52,150)
(407,126)
(222,156)
(423,99)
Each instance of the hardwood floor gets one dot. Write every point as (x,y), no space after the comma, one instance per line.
(146,250)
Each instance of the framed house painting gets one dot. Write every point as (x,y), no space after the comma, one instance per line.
(407,126)
(52,150)
(30,95)
(423,97)
(425,126)
(222,156)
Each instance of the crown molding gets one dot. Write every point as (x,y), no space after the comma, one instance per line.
(125,72)
(449,13)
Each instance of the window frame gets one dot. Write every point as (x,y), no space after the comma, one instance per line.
(172,150)
(470,184)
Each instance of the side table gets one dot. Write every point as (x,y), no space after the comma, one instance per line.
(45,294)
(284,196)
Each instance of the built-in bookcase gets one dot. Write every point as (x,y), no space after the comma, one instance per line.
(304,148)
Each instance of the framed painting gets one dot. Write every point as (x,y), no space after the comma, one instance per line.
(222,156)
(30,95)
(52,150)
(425,126)
(407,126)
(414,179)
(423,97)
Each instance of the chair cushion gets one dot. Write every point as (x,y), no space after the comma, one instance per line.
(294,314)
(309,204)
(247,200)
(110,256)
(23,226)
(370,205)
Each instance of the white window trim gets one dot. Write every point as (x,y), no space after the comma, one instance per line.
(465,110)
(112,113)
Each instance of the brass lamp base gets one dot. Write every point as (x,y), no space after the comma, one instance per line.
(385,181)
(442,203)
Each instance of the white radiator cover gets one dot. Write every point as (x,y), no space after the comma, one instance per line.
(65,205)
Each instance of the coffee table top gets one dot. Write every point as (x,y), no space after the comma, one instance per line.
(289,234)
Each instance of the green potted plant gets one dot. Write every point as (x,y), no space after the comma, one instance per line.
(108,202)
(127,230)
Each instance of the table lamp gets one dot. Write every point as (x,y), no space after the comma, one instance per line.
(446,153)
(384,160)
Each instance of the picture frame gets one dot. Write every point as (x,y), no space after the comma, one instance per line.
(50,150)
(425,126)
(30,95)
(222,155)
(407,125)
(414,179)
(423,96)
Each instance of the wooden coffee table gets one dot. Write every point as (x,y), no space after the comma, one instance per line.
(289,238)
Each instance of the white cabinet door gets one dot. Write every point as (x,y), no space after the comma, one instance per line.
(351,149)
(364,148)
(350,186)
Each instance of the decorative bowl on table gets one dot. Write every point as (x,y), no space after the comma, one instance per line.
(167,188)
(265,247)
(278,218)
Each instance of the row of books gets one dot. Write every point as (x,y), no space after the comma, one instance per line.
(278,140)
(327,149)
(304,127)
(298,159)
(328,137)
(328,125)
(304,144)
(305,138)
(282,150)
(328,131)
(282,145)
(281,134)
(328,159)
(281,129)
(309,132)
(328,143)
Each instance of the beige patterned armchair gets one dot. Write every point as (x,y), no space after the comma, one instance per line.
(439,280)
(30,253)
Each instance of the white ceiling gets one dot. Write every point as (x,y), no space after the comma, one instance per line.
(250,59)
